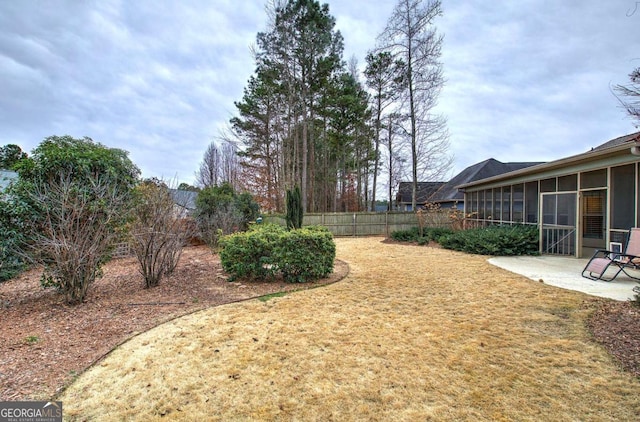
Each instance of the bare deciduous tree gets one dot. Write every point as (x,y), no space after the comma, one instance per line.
(411,37)
(209,172)
(382,77)
(219,165)
(230,165)
(632,94)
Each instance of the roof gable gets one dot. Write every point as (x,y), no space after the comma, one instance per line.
(426,191)
(479,171)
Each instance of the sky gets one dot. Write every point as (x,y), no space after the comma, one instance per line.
(525,81)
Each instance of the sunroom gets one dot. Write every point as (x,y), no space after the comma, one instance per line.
(580,203)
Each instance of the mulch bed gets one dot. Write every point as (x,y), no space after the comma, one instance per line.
(45,344)
(616,325)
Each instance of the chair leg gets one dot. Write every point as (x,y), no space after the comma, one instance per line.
(629,275)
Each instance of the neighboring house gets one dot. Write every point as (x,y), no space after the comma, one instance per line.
(6,177)
(447,194)
(184,201)
(579,203)
(426,190)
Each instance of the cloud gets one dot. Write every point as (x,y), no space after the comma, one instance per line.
(526,80)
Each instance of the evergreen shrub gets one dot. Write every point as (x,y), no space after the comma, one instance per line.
(268,250)
(494,240)
(413,235)
(305,254)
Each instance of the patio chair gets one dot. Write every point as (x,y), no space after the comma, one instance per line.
(602,260)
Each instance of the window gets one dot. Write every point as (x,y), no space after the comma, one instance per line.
(548,185)
(473,208)
(506,203)
(531,202)
(593,179)
(623,197)
(593,214)
(497,204)
(568,183)
(518,203)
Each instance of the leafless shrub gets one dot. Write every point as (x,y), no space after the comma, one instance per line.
(73,231)
(158,231)
(430,216)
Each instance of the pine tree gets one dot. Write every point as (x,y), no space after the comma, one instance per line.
(295,211)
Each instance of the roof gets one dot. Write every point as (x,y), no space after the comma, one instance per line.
(426,190)
(618,141)
(184,198)
(479,171)
(607,149)
(6,177)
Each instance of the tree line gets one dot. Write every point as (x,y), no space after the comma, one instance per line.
(307,118)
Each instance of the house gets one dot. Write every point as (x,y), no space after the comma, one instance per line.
(6,177)
(447,194)
(184,201)
(579,203)
(425,192)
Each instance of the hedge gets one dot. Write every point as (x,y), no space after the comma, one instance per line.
(268,250)
(494,240)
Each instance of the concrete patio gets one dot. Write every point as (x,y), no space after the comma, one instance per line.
(566,273)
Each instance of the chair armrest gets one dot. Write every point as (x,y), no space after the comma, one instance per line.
(603,253)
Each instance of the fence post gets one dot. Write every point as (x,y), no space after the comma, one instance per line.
(354,224)
(386,224)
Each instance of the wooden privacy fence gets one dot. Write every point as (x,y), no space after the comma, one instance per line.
(364,223)
(122,250)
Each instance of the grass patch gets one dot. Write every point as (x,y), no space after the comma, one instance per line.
(411,334)
(31,340)
(271,296)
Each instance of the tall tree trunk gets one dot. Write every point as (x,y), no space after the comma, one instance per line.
(390,140)
(376,162)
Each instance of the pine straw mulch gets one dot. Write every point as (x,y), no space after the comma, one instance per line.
(616,325)
(45,344)
(410,334)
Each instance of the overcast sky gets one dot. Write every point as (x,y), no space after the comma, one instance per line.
(527,80)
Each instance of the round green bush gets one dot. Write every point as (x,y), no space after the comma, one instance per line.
(268,250)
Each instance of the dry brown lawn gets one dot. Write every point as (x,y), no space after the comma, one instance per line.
(411,334)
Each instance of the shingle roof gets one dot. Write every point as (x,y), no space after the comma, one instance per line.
(426,190)
(184,198)
(618,141)
(617,145)
(479,171)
